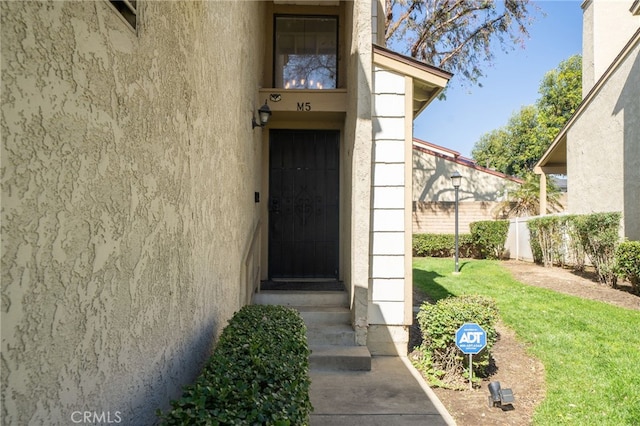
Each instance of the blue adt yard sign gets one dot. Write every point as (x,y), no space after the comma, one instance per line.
(471,338)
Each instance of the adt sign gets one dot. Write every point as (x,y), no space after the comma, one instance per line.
(471,338)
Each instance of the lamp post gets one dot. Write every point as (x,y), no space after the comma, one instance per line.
(456,178)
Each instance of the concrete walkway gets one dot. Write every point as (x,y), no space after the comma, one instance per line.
(392,393)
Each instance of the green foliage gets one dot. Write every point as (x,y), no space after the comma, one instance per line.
(559,240)
(525,200)
(599,234)
(576,255)
(548,233)
(438,357)
(489,237)
(442,245)
(560,94)
(628,262)
(515,148)
(258,374)
(458,35)
(486,240)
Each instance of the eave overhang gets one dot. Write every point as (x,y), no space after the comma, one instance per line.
(428,81)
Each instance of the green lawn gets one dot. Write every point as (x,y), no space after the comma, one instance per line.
(590,350)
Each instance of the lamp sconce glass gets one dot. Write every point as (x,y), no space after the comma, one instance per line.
(456,179)
(264,113)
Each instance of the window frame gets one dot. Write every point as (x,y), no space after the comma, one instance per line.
(336,17)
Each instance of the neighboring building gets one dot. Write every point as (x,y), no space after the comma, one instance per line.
(141,208)
(599,147)
(480,195)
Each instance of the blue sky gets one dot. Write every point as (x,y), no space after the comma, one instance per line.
(511,81)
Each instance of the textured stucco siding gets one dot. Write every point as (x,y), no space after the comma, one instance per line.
(356,157)
(603,149)
(128,174)
(607,27)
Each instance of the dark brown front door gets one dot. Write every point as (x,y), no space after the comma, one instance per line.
(303,204)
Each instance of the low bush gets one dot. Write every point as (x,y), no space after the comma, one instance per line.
(489,237)
(547,233)
(258,374)
(441,245)
(438,357)
(598,234)
(628,262)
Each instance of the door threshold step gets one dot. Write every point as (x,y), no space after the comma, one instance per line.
(324,285)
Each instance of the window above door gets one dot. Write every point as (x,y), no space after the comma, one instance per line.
(305,54)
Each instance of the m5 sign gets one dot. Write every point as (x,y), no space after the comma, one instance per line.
(471,338)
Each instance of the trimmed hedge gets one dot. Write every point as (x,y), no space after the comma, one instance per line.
(546,237)
(628,262)
(598,234)
(440,360)
(258,374)
(486,240)
(441,245)
(489,237)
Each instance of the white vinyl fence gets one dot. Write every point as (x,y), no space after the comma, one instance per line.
(517,245)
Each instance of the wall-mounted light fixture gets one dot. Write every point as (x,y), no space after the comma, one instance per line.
(263,115)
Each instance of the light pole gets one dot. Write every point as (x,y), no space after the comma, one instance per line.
(456,178)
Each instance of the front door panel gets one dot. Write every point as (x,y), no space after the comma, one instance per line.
(303,204)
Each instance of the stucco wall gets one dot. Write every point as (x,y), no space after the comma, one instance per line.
(480,194)
(432,181)
(603,149)
(600,42)
(128,175)
(356,157)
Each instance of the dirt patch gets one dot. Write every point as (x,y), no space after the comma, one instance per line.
(515,368)
(582,284)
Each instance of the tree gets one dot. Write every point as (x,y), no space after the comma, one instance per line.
(560,94)
(525,201)
(516,147)
(456,35)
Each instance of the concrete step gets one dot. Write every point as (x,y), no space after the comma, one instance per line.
(315,315)
(341,358)
(301,298)
(331,334)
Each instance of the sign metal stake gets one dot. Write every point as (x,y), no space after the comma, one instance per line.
(470,372)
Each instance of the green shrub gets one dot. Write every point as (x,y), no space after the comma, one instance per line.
(548,232)
(598,233)
(441,245)
(628,262)
(258,374)
(438,356)
(536,250)
(576,254)
(489,237)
